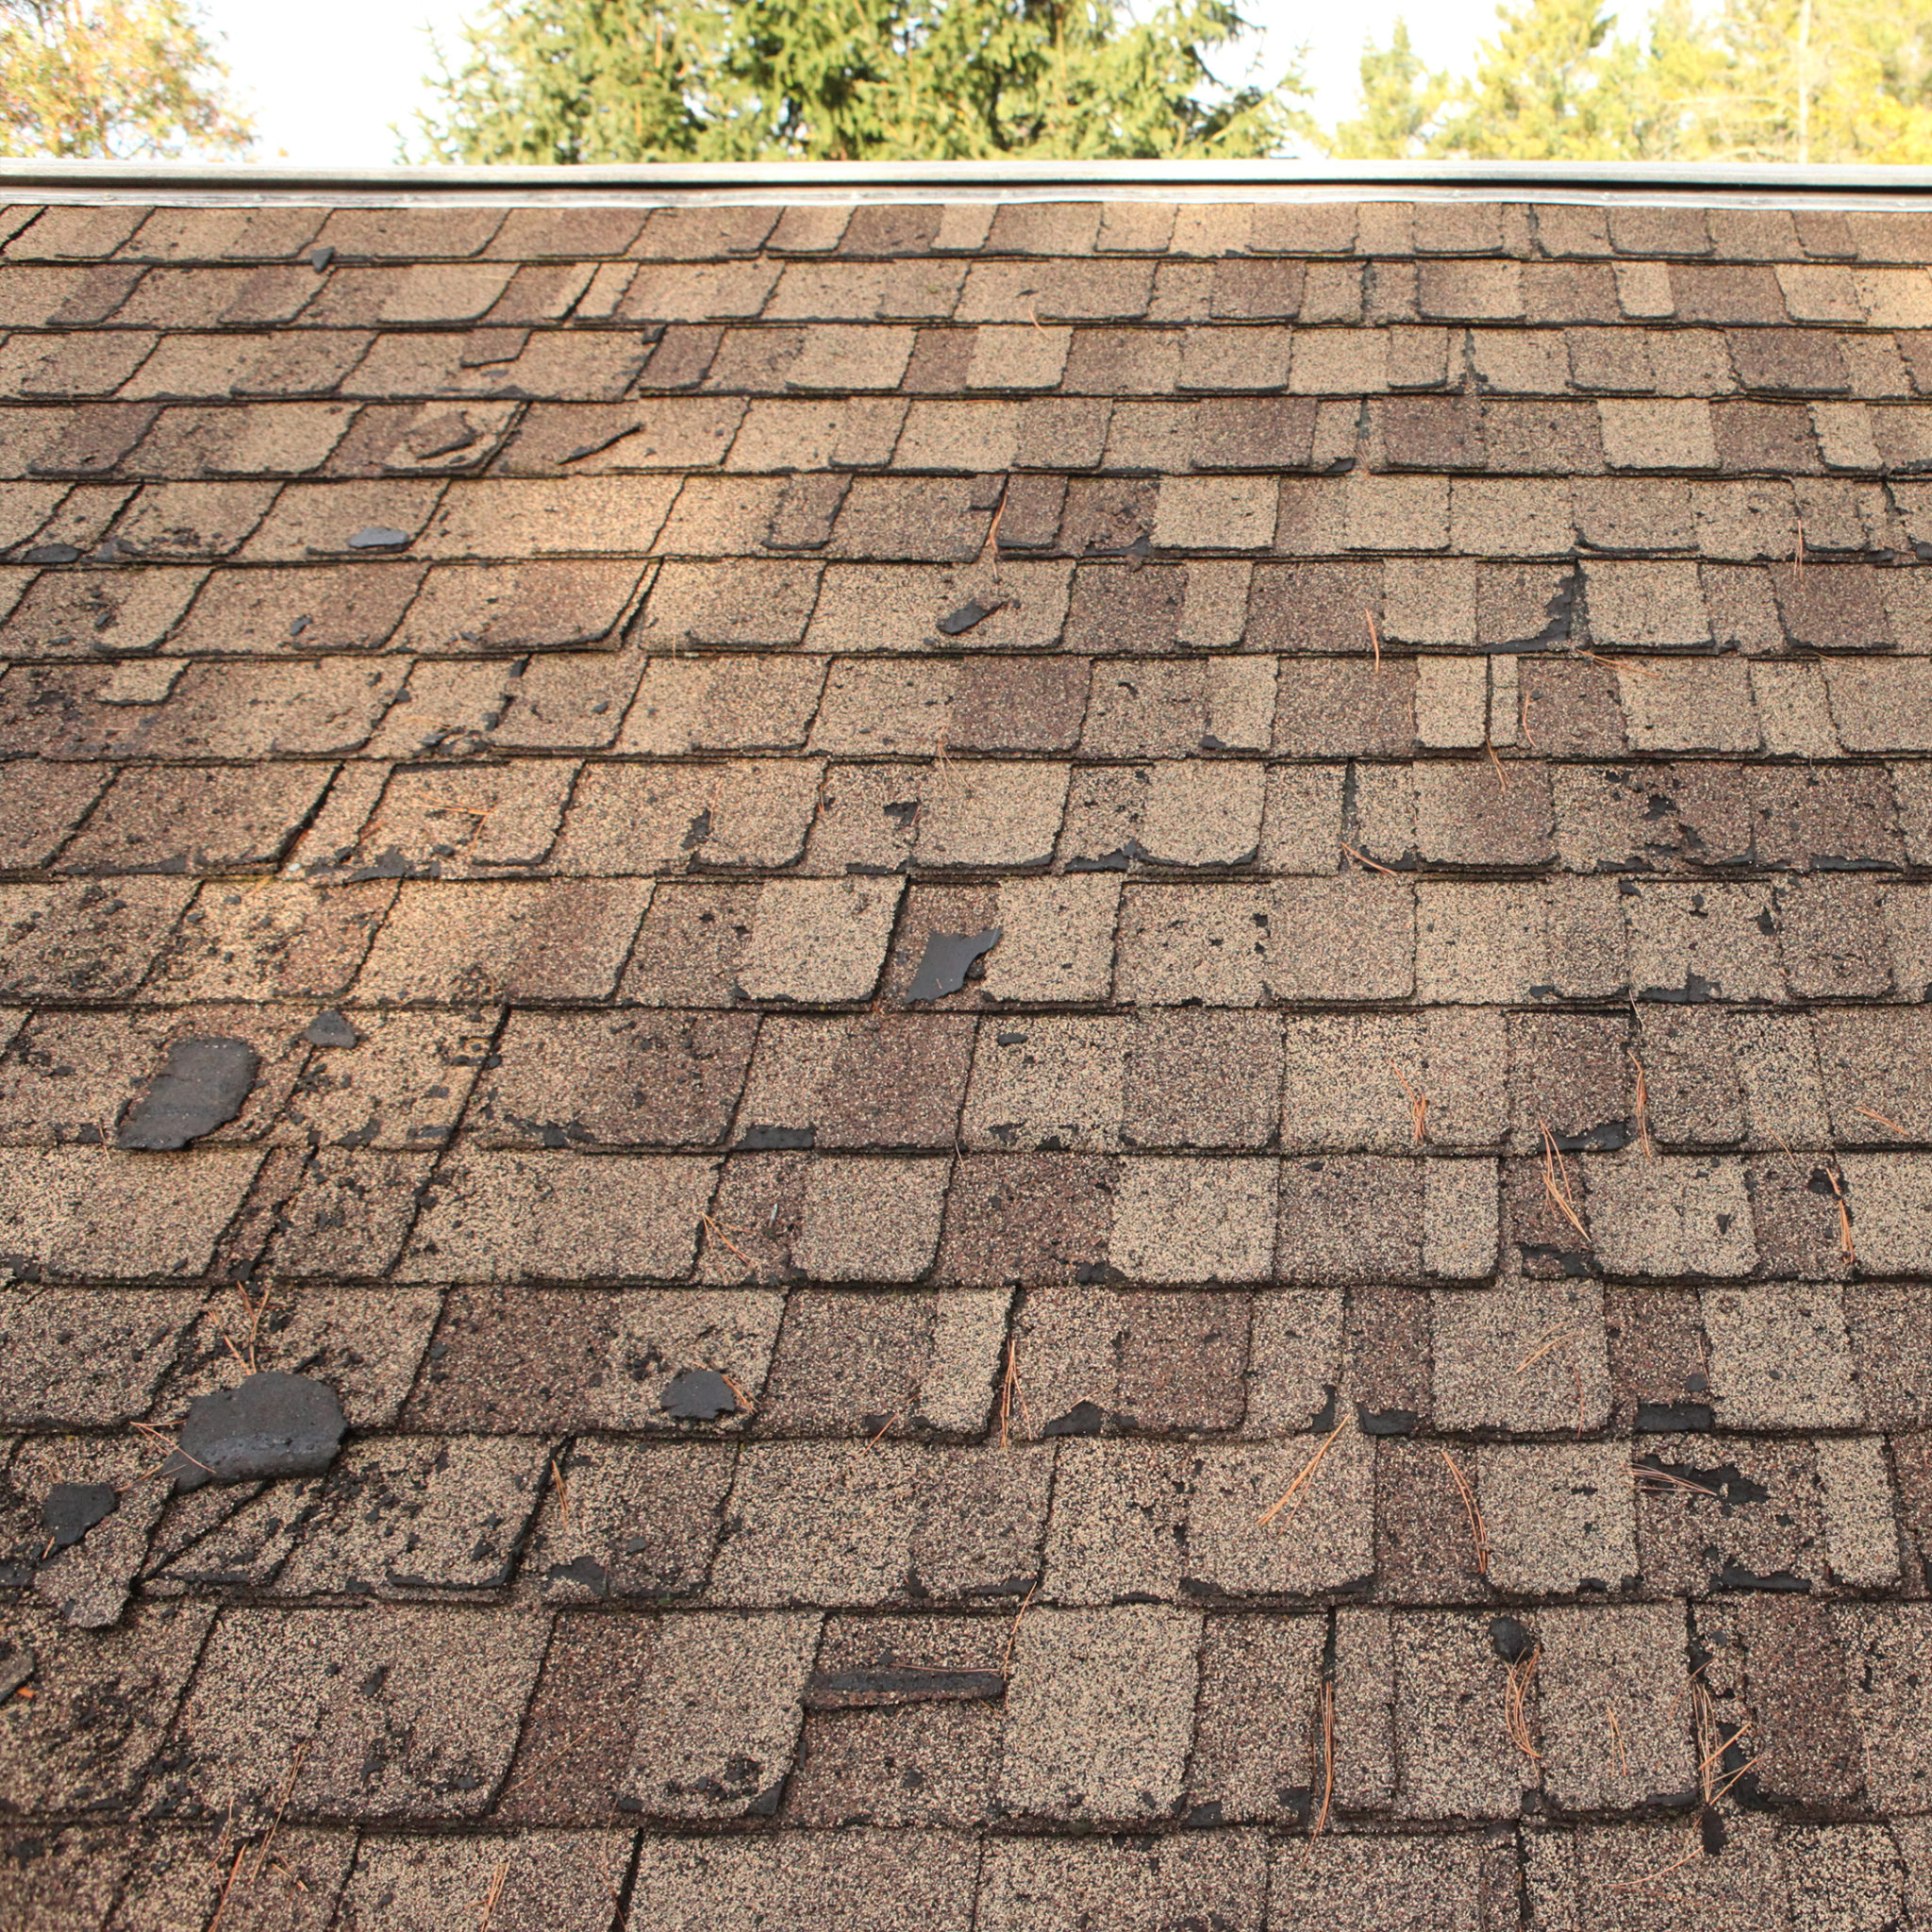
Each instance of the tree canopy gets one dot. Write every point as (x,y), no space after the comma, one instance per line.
(1754,80)
(113,80)
(731,80)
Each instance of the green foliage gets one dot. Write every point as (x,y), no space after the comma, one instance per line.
(1753,80)
(733,80)
(112,80)
(1400,97)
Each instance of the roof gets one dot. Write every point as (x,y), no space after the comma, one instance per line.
(970,1062)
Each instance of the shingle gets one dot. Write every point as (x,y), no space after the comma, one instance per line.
(480,940)
(858,1880)
(1396,1884)
(61,1753)
(1099,1709)
(1560,1517)
(418,1672)
(1322,1543)
(1493,1370)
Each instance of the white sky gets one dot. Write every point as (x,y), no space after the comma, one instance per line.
(328,85)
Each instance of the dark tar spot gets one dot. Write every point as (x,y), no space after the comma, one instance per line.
(69,1510)
(948,955)
(201,1086)
(698,1395)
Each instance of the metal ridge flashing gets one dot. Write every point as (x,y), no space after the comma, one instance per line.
(947,180)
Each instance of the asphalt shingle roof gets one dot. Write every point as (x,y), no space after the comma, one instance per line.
(1413,721)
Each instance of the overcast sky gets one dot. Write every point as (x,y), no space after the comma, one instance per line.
(327,84)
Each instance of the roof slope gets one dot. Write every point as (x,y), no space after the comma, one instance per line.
(1404,729)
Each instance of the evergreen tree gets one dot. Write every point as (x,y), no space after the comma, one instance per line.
(1756,80)
(1400,97)
(112,80)
(1546,88)
(624,80)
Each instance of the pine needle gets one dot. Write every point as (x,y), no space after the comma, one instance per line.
(1478,1529)
(1300,1484)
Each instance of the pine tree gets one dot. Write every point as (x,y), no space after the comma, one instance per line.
(1400,97)
(624,80)
(112,80)
(1546,88)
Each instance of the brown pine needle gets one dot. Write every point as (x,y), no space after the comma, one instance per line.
(1501,780)
(1619,1758)
(214,1924)
(1478,1529)
(1362,859)
(1515,1694)
(495,1893)
(1321,1823)
(276,1823)
(173,1447)
(1006,1656)
(1697,1850)
(1800,547)
(874,1443)
(1536,1355)
(1750,1764)
(1648,1145)
(1009,1389)
(1622,666)
(1374,638)
(745,1402)
(562,1489)
(1665,1479)
(718,1234)
(1556,1181)
(1846,1245)
(1892,1125)
(1301,1482)
(1418,1107)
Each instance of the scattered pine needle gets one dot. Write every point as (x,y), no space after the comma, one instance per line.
(1418,1107)
(717,1232)
(173,1447)
(1478,1529)
(562,1489)
(1515,1696)
(876,1441)
(495,1893)
(1298,1488)
(1622,667)
(1846,1245)
(1556,1181)
(275,1823)
(1007,1654)
(1749,1765)
(1619,1758)
(1800,547)
(1501,780)
(1644,1141)
(1321,1823)
(1890,1124)
(1537,1354)
(214,1924)
(1663,1479)
(1374,638)
(1009,1389)
(1697,1850)
(1362,859)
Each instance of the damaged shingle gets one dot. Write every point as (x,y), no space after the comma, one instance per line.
(202,1085)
